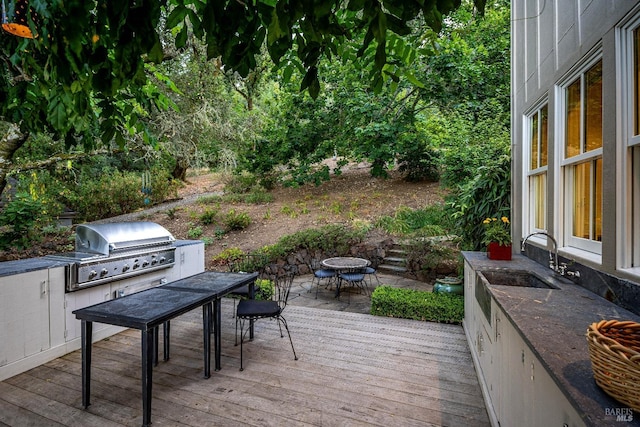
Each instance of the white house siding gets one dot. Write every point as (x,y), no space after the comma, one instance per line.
(549,38)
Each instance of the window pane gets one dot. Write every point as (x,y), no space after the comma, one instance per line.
(636,81)
(538,185)
(597,196)
(593,107)
(534,142)
(543,136)
(581,199)
(572,147)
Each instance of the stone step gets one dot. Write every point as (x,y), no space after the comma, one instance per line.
(392,268)
(397,252)
(394,260)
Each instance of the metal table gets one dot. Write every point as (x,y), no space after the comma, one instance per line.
(148,309)
(216,285)
(342,264)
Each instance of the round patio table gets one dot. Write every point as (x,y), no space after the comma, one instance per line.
(344,264)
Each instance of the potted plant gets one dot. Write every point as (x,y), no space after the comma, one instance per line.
(497,237)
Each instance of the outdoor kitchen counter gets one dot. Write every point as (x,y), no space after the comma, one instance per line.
(553,322)
(9,268)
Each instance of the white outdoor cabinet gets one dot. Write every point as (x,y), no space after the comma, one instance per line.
(32,317)
(517,389)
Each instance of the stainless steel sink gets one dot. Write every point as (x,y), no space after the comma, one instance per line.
(515,278)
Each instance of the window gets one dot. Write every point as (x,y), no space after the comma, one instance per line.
(582,163)
(537,170)
(629,205)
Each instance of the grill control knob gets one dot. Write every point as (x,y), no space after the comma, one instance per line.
(103,272)
(92,274)
(125,267)
(162,259)
(136,265)
(145,263)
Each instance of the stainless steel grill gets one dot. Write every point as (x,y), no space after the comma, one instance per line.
(108,252)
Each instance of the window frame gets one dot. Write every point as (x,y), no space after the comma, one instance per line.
(540,171)
(628,110)
(565,167)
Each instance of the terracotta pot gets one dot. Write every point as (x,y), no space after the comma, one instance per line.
(499,252)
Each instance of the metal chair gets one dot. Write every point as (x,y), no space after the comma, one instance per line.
(369,272)
(320,274)
(252,310)
(247,263)
(354,277)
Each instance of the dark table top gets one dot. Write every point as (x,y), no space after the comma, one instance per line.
(152,307)
(143,310)
(213,283)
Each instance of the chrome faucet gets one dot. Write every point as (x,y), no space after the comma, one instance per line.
(553,256)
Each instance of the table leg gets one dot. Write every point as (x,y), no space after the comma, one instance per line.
(206,327)
(86,332)
(155,345)
(252,295)
(147,373)
(217,331)
(166,329)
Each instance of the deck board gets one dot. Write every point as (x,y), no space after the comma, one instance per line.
(353,369)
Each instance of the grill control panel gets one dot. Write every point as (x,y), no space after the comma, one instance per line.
(119,267)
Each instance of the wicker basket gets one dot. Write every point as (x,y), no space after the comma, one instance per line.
(614,349)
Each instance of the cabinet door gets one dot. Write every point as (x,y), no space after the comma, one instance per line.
(24,318)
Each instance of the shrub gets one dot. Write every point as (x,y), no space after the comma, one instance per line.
(115,193)
(237,220)
(195,232)
(432,220)
(263,289)
(331,239)
(486,195)
(228,256)
(208,216)
(419,161)
(19,219)
(417,305)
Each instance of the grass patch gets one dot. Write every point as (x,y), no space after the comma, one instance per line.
(417,305)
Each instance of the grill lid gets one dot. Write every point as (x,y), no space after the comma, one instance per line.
(111,237)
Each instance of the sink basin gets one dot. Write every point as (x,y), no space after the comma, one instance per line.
(515,278)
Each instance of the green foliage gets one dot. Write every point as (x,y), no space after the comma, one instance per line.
(195,232)
(19,220)
(240,183)
(497,230)
(115,192)
(417,305)
(427,252)
(237,220)
(334,239)
(264,289)
(486,195)
(209,216)
(228,255)
(418,160)
(431,220)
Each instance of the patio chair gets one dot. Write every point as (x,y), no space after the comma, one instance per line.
(355,278)
(320,274)
(369,272)
(252,310)
(248,263)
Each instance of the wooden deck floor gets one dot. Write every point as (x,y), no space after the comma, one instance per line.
(353,369)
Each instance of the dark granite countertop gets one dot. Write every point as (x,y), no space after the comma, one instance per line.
(553,322)
(9,268)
